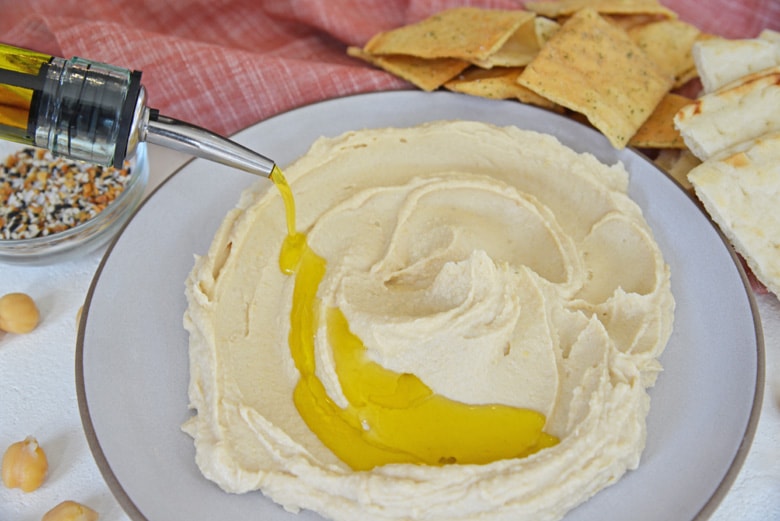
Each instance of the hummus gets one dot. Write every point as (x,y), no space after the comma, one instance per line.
(490,267)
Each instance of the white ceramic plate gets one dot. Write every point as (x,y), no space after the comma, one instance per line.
(132,365)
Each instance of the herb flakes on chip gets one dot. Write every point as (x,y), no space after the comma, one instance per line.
(466,33)
(669,44)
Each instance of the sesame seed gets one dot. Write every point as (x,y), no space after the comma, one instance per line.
(41,194)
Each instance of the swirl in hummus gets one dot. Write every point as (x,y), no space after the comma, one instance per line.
(493,264)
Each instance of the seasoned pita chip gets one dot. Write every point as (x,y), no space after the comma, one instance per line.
(523,45)
(740,191)
(497,83)
(677,163)
(621,7)
(659,131)
(428,75)
(668,43)
(720,61)
(545,29)
(737,112)
(466,33)
(592,67)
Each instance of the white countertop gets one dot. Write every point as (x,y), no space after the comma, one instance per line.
(38,396)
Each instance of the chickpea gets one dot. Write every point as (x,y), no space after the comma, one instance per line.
(24,465)
(70,511)
(18,313)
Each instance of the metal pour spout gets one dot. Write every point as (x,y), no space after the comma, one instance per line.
(147,124)
(190,139)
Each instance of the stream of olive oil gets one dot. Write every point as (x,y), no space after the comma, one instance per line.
(391,417)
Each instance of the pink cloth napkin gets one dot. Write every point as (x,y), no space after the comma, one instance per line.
(226,64)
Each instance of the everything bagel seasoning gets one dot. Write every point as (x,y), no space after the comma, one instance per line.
(41,194)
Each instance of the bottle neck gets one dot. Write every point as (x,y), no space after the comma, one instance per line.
(76,108)
(85,110)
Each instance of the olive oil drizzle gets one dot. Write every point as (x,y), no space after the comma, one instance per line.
(391,417)
(294,242)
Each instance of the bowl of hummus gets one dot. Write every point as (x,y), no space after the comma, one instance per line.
(470,332)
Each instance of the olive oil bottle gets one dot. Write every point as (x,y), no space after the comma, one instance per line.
(76,108)
(97,112)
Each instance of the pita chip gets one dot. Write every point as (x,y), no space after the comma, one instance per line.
(669,44)
(522,46)
(677,163)
(497,83)
(466,33)
(428,75)
(658,131)
(593,67)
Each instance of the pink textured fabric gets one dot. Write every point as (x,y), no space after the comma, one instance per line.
(226,64)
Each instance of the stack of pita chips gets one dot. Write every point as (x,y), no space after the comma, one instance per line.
(489,47)
(611,62)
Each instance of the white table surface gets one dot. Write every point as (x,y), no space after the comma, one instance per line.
(38,395)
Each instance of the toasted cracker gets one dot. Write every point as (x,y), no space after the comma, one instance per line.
(677,163)
(497,83)
(523,45)
(592,67)
(659,130)
(466,33)
(428,75)
(619,7)
(669,44)
(545,29)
